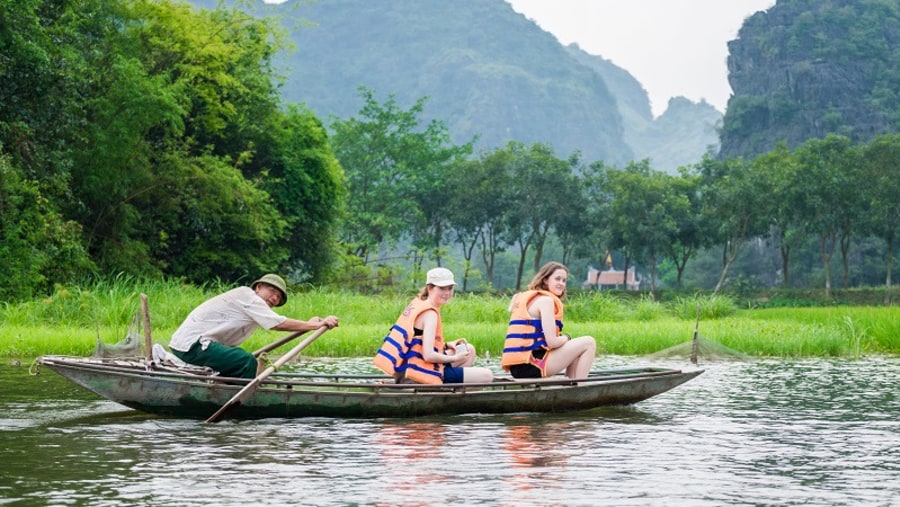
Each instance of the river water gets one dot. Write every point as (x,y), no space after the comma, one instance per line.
(760,433)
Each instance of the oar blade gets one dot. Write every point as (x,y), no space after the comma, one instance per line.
(237,399)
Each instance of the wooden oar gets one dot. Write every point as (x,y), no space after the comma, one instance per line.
(254,385)
(277,343)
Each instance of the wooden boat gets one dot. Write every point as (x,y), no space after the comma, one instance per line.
(192,392)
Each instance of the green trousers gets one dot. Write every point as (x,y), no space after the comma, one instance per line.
(228,361)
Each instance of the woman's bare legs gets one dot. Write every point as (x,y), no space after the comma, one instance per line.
(476,374)
(575,357)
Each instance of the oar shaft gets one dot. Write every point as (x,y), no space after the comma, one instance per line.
(277,343)
(254,385)
(294,352)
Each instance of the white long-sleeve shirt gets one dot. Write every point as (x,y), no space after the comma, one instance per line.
(229,319)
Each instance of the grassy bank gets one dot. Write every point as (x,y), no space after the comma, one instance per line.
(72,320)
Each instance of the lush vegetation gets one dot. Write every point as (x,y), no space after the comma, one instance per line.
(149,139)
(73,319)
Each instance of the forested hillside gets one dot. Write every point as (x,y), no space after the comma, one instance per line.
(807,68)
(487,71)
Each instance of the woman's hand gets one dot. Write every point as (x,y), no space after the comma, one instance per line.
(463,353)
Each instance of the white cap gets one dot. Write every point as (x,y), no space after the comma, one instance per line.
(441,277)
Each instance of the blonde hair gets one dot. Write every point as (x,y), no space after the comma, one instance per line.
(539,282)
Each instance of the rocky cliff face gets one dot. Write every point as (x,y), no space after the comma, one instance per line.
(807,68)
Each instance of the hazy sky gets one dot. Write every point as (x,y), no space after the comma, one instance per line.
(673,47)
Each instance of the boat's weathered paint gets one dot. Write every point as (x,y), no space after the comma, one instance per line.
(133,384)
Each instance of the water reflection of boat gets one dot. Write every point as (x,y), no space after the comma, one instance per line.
(410,461)
(539,459)
(535,446)
(192,392)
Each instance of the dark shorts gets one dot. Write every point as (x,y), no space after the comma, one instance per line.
(228,361)
(528,370)
(453,375)
(525,370)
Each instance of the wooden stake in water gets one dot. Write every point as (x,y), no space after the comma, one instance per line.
(148,339)
(695,344)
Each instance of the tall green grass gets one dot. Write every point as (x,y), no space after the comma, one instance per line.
(73,319)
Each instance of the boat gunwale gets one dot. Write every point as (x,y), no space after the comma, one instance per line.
(137,367)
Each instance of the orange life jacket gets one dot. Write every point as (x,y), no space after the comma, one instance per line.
(401,351)
(526,333)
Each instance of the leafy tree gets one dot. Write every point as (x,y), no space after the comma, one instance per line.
(377,151)
(781,169)
(733,194)
(829,194)
(645,210)
(39,89)
(39,248)
(495,193)
(297,167)
(880,181)
(540,184)
(208,82)
(146,123)
(433,158)
(689,234)
(579,223)
(475,208)
(227,227)
(597,217)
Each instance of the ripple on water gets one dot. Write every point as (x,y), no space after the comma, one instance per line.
(767,432)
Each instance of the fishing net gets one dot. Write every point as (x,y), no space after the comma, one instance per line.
(128,347)
(699,348)
(131,349)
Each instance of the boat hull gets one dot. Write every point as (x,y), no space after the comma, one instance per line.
(136,386)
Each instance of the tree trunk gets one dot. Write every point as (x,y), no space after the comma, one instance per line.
(785,267)
(538,252)
(845,247)
(785,260)
(729,254)
(523,252)
(826,260)
(488,254)
(468,252)
(438,234)
(888,296)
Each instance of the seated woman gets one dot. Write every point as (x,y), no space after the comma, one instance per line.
(534,345)
(414,350)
